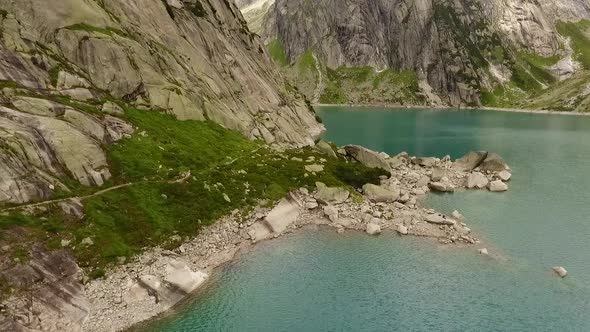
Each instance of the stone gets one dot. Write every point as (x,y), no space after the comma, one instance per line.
(379,194)
(331,195)
(504,175)
(470,161)
(314,168)
(373,229)
(87,242)
(331,212)
(423,181)
(112,108)
(180,276)
(401,229)
(477,180)
(437,174)
(483,251)
(282,215)
(367,157)
(439,219)
(424,161)
(442,186)
(457,215)
(258,231)
(175,3)
(311,204)
(560,271)
(136,293)
(497,186)
(494,163)
(326,148)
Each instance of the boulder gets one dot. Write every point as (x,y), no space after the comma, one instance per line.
(437,174)
(331,195)
(136,294)
(497,186)
(442,186)
(379,194)
(457,215)
(367,157)
(423,181)
(483,251)
(477,180)
(258,231)
(504,175)
(373,229)
(325,148)
(470,161)
(331,212)
(282,215)
(424,161)
(314,168)
(181,277)
(403,230)
(439,219)
(494,163)
(560,270)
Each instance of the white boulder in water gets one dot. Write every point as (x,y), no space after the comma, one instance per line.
(560,270)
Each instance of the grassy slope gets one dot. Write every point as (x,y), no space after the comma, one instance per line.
(122,222)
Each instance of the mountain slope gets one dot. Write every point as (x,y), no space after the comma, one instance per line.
(193,59)
(457,49)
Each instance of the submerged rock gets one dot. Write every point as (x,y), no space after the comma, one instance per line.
(483,251)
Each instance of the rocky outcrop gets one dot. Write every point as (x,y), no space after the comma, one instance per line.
(195,60)
(379,194)
(55,299)
(331,195)
(470,161)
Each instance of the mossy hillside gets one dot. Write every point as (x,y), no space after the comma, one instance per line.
(365,85)
(277,52)
(227,172)
(579,34)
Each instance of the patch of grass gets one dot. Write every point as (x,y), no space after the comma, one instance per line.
(579,34)
(3,13)
(277,52)
(11,84)
(306,62)
(109,31)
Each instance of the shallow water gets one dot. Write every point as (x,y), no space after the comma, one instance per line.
(323,281)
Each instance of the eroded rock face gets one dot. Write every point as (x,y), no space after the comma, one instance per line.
(54,294)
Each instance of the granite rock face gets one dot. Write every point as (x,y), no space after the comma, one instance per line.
(449,44)
(193,59)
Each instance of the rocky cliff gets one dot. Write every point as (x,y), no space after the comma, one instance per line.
(459,48)
(66,66)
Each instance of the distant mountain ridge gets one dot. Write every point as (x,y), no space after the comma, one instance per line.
(460,51)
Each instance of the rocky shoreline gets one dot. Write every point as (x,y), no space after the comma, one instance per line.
(454,108)
(158,279)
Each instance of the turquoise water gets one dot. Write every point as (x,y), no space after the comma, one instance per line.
(323,281)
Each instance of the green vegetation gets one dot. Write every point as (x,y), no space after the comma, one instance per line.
(365,85)
(226,172)
(109,31)
(3,13)
(277,52)
(306,62)
(579,34)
